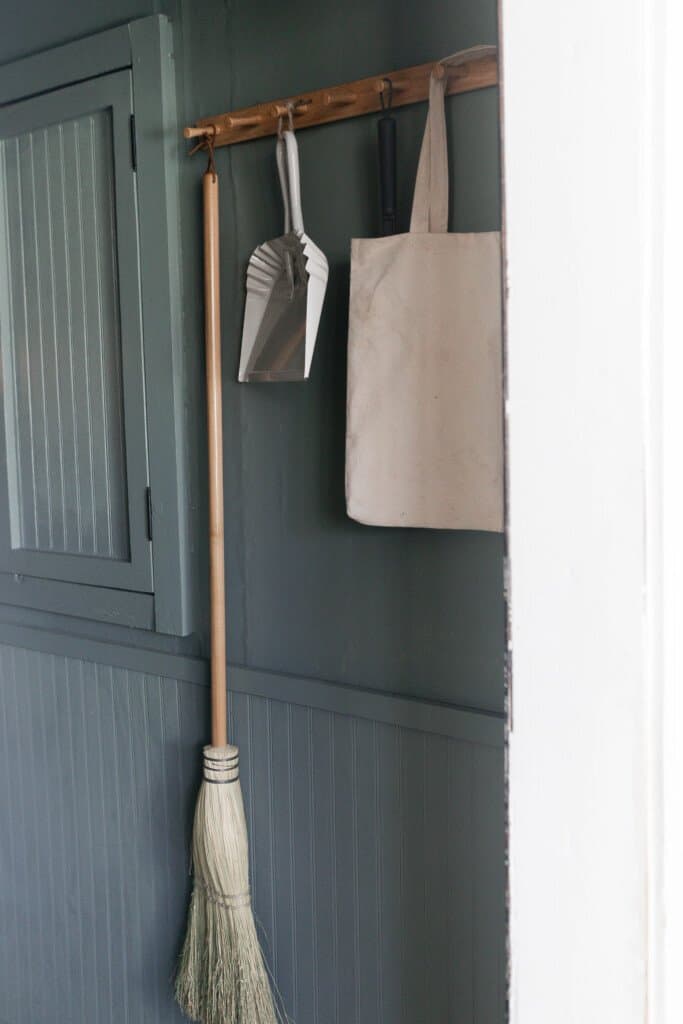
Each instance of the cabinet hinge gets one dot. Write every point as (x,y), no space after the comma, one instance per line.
(133,144)
(148,507)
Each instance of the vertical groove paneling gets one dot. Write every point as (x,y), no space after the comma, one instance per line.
(55,232)
(35,891)
(9,837)
(108,742)
(298,862)
(389,886)
(61,360)
(367,871)
(461,869)
(436,857)
(45,793)
(489,891)
(282,840)
(321,774)
(263,880)
(95,934)
(377,853)
(398,886)
(413,925)
(344,850)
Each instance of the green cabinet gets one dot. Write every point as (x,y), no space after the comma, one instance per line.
(92,521)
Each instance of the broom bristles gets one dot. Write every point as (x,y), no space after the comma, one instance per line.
(222,978)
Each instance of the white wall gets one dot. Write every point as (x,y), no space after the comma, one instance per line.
(665,525)
(577,125)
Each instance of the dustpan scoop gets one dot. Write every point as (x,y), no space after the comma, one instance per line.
(286,283)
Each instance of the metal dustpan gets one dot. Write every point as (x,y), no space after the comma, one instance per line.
(286,283)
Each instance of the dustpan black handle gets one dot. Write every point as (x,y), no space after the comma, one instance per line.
(386,140)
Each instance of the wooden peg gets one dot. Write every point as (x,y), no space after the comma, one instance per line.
(244,122)
(340,99)
(294,107)
(194,131)
(396,84)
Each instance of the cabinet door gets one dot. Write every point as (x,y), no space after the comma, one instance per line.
(73,446)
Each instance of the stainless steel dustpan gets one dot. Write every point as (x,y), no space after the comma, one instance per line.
(286,283)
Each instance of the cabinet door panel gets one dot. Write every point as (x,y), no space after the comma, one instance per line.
(73,453)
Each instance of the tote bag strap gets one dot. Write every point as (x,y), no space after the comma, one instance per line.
(430,199)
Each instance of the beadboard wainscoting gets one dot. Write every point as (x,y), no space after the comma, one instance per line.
(376,826)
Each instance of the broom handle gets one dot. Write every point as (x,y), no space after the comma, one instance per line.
(214,404)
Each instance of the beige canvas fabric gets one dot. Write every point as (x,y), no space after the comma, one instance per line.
(424,443)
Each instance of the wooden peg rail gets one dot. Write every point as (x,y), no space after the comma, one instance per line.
(352,99)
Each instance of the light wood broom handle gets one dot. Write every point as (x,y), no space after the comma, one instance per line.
(214,404)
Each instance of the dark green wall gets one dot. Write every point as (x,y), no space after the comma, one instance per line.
(417,612)
(311,592)
(349,790)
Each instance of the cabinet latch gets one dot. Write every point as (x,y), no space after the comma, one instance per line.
(148,507)
(133,144)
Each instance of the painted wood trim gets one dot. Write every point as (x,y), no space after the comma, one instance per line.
(158,154)
(577,386)
(464,72)
(63,65)
(482,727)
(145,45)
(110,93)
(120,607)
(472,726)
(101,652)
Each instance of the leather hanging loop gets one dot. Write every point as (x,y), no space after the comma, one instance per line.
(211,166)
(207,142)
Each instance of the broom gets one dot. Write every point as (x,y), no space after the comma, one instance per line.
(222,977)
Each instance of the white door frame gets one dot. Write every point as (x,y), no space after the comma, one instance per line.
(665,520)
(593,166)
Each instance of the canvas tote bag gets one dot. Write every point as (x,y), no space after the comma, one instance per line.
(424,440)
